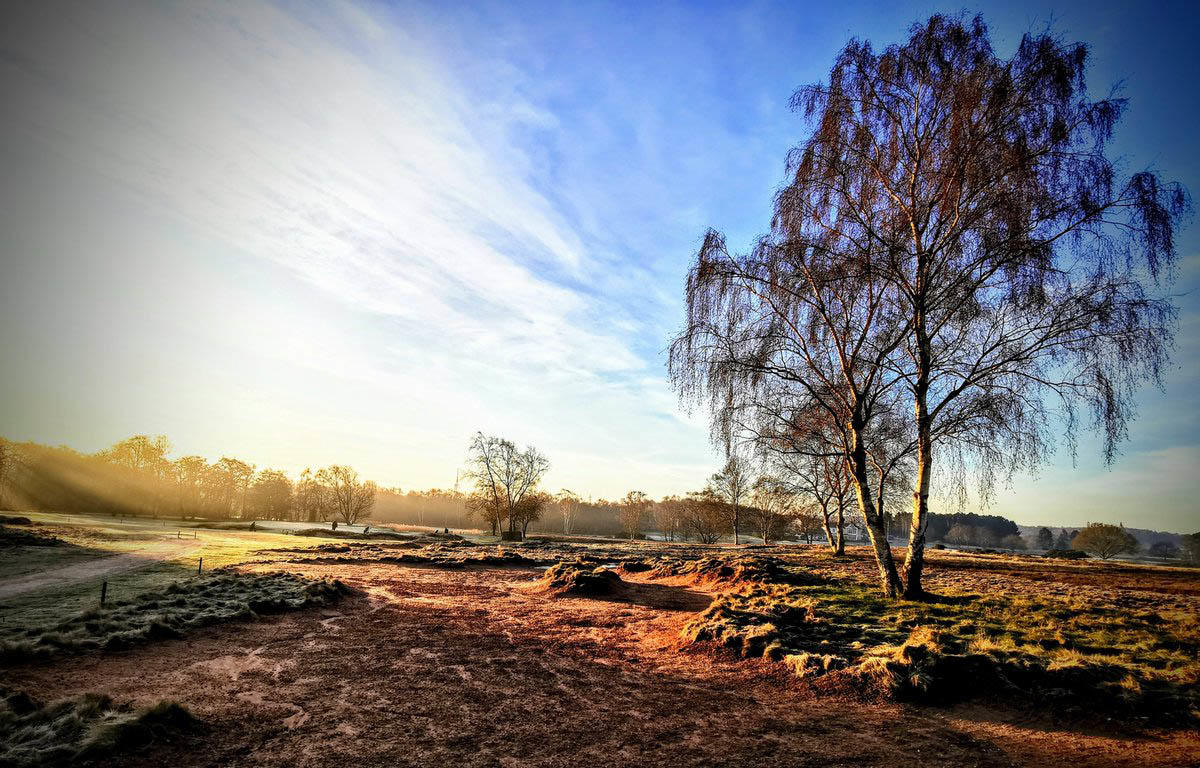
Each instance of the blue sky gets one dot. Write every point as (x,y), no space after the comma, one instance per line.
(356,233)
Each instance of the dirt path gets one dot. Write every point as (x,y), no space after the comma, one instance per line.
(94,569)
(470,668)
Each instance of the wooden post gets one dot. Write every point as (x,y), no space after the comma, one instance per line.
(103,591)
(200,566)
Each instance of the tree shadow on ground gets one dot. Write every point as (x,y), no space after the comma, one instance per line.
(662,597)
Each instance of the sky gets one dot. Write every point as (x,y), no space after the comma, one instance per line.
(304,234)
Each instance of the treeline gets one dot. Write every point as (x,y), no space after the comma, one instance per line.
(136,477)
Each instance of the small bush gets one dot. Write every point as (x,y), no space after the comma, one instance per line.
(1067,554)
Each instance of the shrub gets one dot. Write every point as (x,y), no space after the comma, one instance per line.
(1067,554)
(1105,541)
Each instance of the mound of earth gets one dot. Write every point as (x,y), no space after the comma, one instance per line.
(566,580)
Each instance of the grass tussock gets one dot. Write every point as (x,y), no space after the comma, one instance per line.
(1068,654)
(724,571)
(87,728)
(566,580)
(184,605)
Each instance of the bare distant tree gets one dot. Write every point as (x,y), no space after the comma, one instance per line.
(809,524)
(352,499)
(568,503)
(823,480)
(733,484)
(702,516)
(775,505)
(634,511)
(668,516)
(504,474)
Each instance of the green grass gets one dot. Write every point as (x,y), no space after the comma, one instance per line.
(87,727)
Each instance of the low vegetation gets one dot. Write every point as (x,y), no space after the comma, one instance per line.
(565,580)
(844,636)
(171,612)
(85,728)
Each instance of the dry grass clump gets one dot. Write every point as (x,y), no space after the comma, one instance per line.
(725,571)
(80,729)
(184,605)
(567,580)
(1114,659)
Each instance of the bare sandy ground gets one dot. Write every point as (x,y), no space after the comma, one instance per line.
(95,569)
(471,668)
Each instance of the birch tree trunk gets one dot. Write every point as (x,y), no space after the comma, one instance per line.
(889,577)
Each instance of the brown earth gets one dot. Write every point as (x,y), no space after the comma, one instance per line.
(472,667)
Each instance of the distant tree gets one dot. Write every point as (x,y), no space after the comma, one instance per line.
(10,458)
(824,481)
(568,502)
(1045,539)
(702,516)
(231,482)
(352,499)
(1164,549)
(188,473)
(733,484)
(271,495)
(809,524)
(634,510)
(774,505)
(962,535)
(503,474)
(313,497)
(1014,542)
(1105,541)
(530,508)
(1191,547)
(668,516)
(486,508)
(1063,539)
